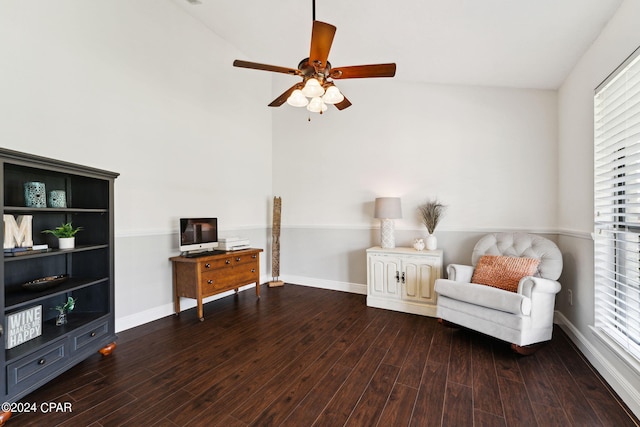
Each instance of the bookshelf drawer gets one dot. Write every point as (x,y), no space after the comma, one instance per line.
(37,366)
(88,334)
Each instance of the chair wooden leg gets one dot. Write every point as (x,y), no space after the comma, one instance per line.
(526,350)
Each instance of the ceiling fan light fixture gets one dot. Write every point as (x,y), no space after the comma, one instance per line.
(312,88)
(297,99)
(316,105)
(332,96)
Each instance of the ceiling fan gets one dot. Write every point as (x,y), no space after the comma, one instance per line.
(316,89)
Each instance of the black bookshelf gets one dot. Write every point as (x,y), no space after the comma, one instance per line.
(88,270)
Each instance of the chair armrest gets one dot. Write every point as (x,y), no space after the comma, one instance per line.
(459,272)
(484,296)
(530,284)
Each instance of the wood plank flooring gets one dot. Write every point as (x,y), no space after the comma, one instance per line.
(303,356)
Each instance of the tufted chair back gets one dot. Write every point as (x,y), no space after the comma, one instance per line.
(523,245)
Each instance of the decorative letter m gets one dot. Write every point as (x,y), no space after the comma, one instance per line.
(17,233)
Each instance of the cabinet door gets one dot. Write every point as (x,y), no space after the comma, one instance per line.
(383,274)
(419,276)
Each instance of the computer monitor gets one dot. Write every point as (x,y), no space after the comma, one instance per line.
(198,234)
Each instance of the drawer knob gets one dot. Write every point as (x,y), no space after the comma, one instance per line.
(207,265)
(227,261)
(253,270)
(254,256)
(42,361)
(93,334)
(238,259)
(210,282)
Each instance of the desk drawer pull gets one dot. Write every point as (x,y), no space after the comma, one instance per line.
(92,334)
(238,259)
(207,265)
(227,261)
(210,282)
(254,256)
(42,361)
(253,270)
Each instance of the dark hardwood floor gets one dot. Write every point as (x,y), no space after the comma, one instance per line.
(302,356)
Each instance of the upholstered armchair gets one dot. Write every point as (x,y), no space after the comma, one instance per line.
(508,292)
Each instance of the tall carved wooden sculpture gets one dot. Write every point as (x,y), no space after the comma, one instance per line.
(275,244)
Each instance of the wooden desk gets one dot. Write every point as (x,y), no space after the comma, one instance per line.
(209,275)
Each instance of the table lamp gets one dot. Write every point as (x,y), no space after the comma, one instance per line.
(387,209)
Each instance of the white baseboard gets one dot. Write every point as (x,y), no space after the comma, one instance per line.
(627,392)
(402,306)
(137,319)
(354,288)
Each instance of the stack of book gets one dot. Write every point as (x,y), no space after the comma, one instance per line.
(26,251)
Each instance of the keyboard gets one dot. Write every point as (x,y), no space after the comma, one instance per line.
(204,253)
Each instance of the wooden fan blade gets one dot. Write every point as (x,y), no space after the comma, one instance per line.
(321,40)
(344,104)
(283,98)
(363,71)
(265,67)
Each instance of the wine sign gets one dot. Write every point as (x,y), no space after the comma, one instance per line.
(23,326)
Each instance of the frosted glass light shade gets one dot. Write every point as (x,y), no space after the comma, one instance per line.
(297,99)
(332,96)
(312,89)
(388,208)
(316,105)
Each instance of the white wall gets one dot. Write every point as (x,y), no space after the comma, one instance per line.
(487,153)
(140,88)
(575,204)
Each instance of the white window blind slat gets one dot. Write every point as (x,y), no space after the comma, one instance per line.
(617,206)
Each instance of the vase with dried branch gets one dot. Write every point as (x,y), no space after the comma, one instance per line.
(431,213)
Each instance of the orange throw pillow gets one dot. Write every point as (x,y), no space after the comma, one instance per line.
(503,272)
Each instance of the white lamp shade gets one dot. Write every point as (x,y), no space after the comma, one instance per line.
(316,105)
(388,208)
(297,99)
(312,89)
(332,96)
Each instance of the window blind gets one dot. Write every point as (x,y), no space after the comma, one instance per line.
(617,205)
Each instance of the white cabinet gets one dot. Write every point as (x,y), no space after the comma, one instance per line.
(402,279)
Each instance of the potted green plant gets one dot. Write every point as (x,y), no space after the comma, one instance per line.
(431,213)
(65,234)
(63,310)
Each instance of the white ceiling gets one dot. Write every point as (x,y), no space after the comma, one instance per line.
(513,43)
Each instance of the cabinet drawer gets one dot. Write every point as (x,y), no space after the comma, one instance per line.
(215,264)
(88,334)
(36,367)
(237,277)
(214,282)
(228,261)
(211,283)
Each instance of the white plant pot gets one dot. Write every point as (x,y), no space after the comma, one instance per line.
(66,242)
(431,242)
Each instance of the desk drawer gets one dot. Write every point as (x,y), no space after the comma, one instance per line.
(214,282)
(238,276)
(232,278)
(36,367)
(228,261)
